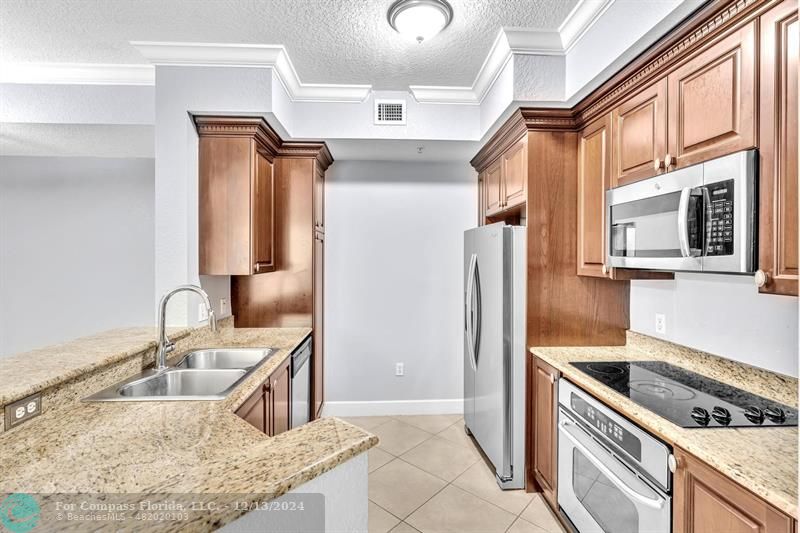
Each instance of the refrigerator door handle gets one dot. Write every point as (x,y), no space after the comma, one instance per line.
(468,311)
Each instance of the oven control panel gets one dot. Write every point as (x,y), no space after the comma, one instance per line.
(719,219)
(617,434)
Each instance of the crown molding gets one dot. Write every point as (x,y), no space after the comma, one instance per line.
(523,120)
(77,74)
(250,55)
(517,41)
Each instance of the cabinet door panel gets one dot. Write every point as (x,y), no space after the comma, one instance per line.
(253,410)
(594,167)
(318,362)
(712,100)
(281,399)
(263,216)
(319,198)
(544,452)
(705,501)
(515,174)
(778,216)
(494,188)
(640,135)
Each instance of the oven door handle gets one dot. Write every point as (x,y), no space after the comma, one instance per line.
(655,503)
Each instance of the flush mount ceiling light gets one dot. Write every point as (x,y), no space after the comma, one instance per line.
(420,19)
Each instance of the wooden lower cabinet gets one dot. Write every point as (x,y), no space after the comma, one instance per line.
(545,415)
(269,408)
(281,396)
(254,409)
(705,501)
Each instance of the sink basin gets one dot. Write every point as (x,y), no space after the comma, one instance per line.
(200,375)
(182,383)
(225,358)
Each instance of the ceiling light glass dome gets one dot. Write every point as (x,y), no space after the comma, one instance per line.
(420,19)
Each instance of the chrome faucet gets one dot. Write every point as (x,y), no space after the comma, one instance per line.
(165,345)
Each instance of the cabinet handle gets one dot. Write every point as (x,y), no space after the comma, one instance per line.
(668,161)
(658,164)
(761,278)
(552,379)
(604,269)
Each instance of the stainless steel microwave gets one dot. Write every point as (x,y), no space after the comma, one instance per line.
(699,219)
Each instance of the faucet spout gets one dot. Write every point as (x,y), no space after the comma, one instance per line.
(165,345)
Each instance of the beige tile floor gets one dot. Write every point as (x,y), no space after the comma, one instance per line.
(426,475)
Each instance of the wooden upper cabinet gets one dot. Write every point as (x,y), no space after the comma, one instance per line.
(594,178)
(263,216)
(712,100)
(319,198)
(493,185)
(545,469)
(515,174)
(705,501)
(318,361)
(640,135)
(778,149)
(236,203)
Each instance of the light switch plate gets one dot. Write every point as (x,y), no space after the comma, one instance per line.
(23,410)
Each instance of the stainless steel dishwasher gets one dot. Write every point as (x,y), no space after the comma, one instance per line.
(301,384)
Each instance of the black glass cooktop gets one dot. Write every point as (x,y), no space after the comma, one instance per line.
(688,399)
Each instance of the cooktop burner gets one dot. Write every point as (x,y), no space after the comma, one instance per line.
(688,399)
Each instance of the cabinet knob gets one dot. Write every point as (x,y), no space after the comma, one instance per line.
(674,463)
(552,378)
(668,161)
(658,164)
(761,278)
(604,269)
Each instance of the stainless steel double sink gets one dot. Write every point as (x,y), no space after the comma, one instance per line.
(200,375)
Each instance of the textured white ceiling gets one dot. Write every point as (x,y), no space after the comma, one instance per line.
(329,41)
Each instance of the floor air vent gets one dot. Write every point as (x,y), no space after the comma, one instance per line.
(390,112)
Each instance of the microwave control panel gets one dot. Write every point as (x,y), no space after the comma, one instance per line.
(719,219)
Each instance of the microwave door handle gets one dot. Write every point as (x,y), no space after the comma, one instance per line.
(683,222)
(655,503)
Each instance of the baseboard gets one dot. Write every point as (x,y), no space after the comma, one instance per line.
(396,407)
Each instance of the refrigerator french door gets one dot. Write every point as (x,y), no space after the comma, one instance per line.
(494,347)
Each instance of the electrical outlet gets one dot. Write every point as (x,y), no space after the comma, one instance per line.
(399,369)
(661,323)
(223,306)
(202,312)
(23,410)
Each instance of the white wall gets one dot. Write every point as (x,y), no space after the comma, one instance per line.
(393,269)
(723,315)
(76,248)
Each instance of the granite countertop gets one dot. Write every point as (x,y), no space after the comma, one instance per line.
(25,373)
(746,455)
(177,446)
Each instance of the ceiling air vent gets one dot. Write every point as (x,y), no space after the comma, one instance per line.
(390,112)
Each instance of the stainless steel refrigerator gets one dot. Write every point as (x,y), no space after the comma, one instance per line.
(494,347)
